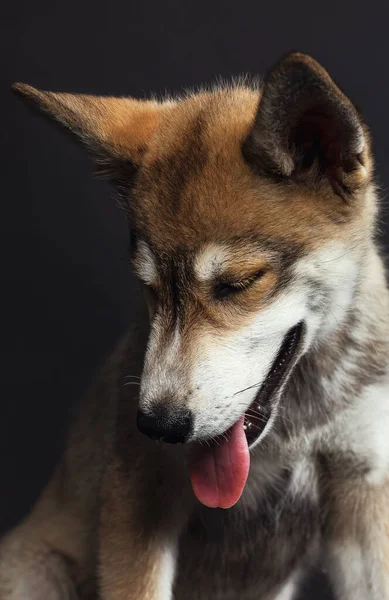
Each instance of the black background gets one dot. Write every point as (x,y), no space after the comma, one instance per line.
(67,290)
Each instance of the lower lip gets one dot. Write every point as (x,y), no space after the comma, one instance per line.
(259,412)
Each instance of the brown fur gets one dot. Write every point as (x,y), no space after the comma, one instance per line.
(120,126)
(222,207)
(238,166)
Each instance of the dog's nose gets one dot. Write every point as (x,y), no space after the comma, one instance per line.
(172,426)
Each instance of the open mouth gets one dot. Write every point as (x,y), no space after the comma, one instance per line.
(219,470)
(258,413)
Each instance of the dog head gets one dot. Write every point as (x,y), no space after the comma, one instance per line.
(250,208)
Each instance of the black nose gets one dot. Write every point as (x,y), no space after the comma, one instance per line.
(171,425)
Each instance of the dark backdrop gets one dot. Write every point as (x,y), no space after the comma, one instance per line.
(66,287)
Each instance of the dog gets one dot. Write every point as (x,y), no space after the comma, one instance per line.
(239,433)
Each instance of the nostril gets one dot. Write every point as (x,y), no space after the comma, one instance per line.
(170,425)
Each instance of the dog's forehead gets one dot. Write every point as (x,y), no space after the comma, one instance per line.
(193,171)
(195,185)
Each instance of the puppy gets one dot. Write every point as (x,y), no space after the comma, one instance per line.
(261,371)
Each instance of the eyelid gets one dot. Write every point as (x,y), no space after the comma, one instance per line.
(227,288)
(243,283)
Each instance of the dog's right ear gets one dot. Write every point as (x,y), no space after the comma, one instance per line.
(115,130)
(307,131)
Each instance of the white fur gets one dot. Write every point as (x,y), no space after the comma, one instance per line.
(363,429)
(361,142)
(145,264)
(167,571)
(347,570)
(357,568)
(288,591)
(304,479)
(162,375)
(223,373)
(211,261)
(336,266)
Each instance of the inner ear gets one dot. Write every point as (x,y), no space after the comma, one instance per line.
(320,135)
(307,130)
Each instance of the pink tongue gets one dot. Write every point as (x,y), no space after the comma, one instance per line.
(219,472)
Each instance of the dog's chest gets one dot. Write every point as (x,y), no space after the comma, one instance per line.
(246,552)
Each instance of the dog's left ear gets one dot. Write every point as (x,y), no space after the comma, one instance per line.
(115,130)
(307,130)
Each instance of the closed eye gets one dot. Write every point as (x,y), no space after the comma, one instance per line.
(224,289)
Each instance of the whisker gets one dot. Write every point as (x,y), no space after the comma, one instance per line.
(248,388)
(257,418)
(254,413)
(353,247)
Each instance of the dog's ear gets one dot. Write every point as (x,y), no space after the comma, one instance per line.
(115,130)
(307,130)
